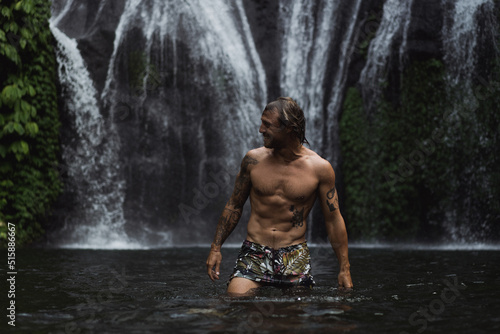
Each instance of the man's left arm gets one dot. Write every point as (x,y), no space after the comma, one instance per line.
(335,226)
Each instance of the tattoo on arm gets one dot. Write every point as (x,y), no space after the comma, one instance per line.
(242,184)
(231,216)
(248,161)
(227,222)
(298,217)
(332,195)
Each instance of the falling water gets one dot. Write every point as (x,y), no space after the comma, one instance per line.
(179,94)
(136,182)
(312,32)
(460,42)
(218,37)
(298,24)
(89,158)
(394,26)
(331,132)
(306,43)
(460,39)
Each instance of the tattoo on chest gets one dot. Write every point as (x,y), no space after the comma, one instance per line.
(332,195)
(298,217)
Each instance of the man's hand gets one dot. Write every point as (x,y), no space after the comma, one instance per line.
(345,279)
(213,264)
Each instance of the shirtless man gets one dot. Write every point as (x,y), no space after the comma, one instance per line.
(283,179)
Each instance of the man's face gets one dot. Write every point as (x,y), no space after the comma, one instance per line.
(272,129)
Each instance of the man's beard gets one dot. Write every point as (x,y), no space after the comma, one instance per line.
(268,142)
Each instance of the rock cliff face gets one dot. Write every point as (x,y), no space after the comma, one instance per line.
(180,86)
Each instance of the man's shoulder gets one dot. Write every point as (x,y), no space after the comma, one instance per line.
(316,159)
(257,153)
(322,166)
(254,156)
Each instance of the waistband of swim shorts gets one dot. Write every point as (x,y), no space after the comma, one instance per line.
(263,248)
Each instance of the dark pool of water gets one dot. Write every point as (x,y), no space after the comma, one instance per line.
(168,291)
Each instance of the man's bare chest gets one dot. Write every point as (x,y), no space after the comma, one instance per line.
(291,182)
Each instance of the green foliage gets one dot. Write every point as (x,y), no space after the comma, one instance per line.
(355,136)
(411,168)
(29,119)
(427,160)
(386,171)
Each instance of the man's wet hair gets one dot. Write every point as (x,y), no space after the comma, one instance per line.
(290,114)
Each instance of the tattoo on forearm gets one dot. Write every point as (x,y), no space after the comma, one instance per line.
(227,223)
(242,184)
(230,218)
(332,195)
(297,218)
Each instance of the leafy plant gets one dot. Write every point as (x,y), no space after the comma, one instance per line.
(29,118)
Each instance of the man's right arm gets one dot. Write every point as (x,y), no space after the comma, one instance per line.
(230,215)
(335,225)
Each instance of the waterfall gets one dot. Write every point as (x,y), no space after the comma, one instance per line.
(164,98)
(306,43)
(393,27)
(297,21)
(331,133)
(89,158)
(154,140)
(312,32)
(460,41)
(218,38)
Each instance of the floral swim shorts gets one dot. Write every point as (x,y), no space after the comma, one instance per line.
(287,266)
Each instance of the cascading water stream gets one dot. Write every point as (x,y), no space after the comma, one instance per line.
(394,25)
(214,35)
(460,42)
(331,132)
(89,158)
(306,43)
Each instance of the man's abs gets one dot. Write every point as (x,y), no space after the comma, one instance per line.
(273,237)
(279,227)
